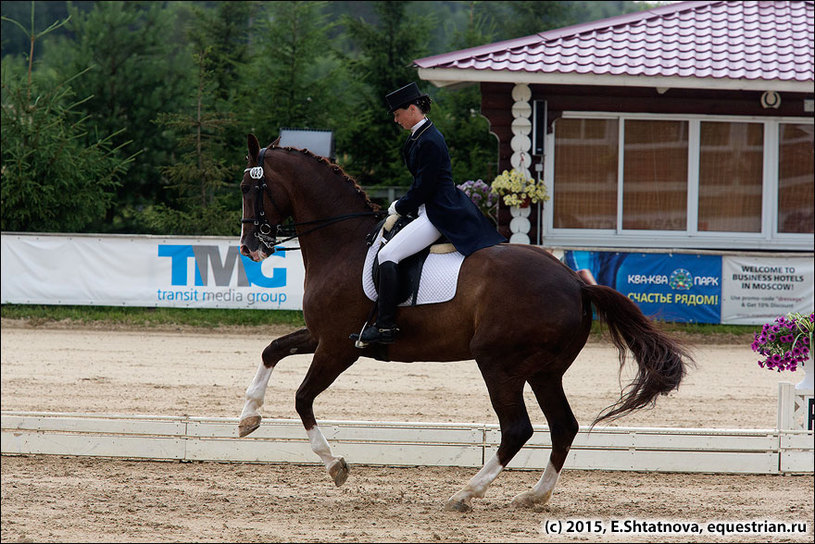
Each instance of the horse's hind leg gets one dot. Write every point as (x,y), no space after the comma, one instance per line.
(299,341)
(563,428)
(506,394)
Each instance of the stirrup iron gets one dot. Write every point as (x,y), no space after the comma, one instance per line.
(356,338)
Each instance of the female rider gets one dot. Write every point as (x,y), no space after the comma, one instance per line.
(441,208)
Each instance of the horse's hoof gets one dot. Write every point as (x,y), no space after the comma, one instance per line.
(529,500)
(247,425)
(456,505)
(338,471)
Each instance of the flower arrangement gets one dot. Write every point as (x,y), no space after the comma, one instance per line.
(481,194)
(518,190)
(786,342)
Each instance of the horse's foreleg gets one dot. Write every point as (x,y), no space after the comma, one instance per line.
(506,394)
(299,341)
(563,428)
(323,371)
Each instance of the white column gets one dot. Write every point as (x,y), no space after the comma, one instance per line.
(521,159)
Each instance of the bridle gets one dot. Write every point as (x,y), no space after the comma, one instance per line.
(265,232)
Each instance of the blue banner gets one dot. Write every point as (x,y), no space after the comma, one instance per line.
(666,287)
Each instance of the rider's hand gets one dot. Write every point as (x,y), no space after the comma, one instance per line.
(392,209)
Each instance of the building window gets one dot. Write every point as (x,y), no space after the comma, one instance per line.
(697,181)
(731,159)
(795,178)
(585,187)
(655,175)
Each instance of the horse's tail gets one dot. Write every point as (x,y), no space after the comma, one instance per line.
(661,361)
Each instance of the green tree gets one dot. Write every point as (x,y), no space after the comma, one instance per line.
(15,41)
(473,149)
(225,30)
(387,48)
(289,79)
(198,176)
(594,11)
(139,68)
(524,17)
(53,178)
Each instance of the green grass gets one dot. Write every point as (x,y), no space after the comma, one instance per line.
(213,318)
(152,317)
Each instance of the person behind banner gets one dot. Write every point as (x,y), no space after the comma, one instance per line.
(441,207)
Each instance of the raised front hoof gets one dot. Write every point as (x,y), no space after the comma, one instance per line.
(527,499)
(338,471)
(457,505)
(247,425)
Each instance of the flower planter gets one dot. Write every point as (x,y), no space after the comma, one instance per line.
(786,344)
(809,375)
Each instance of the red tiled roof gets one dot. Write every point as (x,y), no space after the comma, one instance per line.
(754,41)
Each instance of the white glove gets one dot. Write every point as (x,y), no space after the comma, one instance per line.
(392,209)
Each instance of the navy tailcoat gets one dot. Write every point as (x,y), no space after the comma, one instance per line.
(449,209)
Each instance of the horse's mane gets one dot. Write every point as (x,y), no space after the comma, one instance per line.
(337,170)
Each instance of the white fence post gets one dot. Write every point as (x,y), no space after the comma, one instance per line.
(794,407)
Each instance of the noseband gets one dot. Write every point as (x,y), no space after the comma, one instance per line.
(264,231)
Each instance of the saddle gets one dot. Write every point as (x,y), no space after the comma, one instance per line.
(410,269)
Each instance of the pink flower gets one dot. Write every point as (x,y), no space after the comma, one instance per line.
(784,343)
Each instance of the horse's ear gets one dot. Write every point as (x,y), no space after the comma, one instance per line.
(254,148)
(275,143)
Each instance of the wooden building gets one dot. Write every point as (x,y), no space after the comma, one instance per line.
(687,126)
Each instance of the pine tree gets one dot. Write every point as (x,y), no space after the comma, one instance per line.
(386,51)
(139,68)
(55,178)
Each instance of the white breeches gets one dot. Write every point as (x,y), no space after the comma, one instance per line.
(413,238)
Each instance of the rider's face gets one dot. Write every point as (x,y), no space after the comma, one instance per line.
(407,117)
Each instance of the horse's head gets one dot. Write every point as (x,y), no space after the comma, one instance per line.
(265,206)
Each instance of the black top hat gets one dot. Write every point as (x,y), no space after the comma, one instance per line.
(404,96)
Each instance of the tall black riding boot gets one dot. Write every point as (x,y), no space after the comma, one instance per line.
(385,329)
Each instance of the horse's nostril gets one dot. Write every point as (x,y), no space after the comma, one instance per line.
(244,250)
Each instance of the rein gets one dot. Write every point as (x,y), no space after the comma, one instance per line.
(264,230)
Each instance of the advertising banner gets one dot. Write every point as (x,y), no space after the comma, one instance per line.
(667,287)
(756,290)
(146,271)
(209,272)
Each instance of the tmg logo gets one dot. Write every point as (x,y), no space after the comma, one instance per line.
(205,257)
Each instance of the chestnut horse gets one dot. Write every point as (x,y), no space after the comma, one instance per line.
(520,313)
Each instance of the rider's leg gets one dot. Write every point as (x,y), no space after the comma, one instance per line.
(385,329)
(414,237)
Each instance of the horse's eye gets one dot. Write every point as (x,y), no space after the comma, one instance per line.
(245,189)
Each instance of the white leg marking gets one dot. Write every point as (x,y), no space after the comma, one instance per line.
(319,445)
(477,486)
(546,484)
(256,392)
(336,466)
(488,473)
(541,492)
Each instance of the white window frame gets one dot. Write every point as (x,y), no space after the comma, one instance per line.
(691,237)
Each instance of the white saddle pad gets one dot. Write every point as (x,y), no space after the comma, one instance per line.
(437,284)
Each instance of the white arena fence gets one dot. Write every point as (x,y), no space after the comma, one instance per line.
(727,451)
